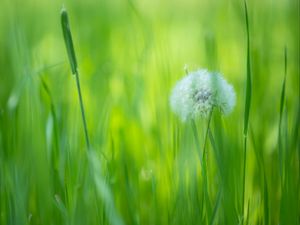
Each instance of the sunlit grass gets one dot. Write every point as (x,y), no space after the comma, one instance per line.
(144,166)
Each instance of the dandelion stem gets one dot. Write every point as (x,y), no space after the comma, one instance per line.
(203,160)
(204,157)
(206,133)
(186,69)
(195,132)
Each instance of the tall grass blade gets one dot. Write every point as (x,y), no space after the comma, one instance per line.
(282,102)
(266,201)
(248,207)
(214,213)
(247,104)
(103,191)
(248,80)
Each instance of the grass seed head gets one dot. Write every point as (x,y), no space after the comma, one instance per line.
(68,39)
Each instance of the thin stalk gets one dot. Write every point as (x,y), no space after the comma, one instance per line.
(196,136)
(203,160)
(244,172)
(82,111)
(204,157)
(282,102)
(247,109)
(207,130)
(101,187)
(74,67)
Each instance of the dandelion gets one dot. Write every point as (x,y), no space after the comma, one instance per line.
(198,93)
(196,96)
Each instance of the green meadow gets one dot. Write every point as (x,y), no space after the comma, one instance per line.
(142,164)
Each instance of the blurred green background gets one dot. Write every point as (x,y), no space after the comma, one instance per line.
(130,54)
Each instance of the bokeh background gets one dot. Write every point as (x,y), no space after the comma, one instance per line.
(130,54)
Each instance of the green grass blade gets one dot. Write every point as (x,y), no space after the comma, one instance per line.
(248,207)
(203,164)
(248,81)
(103,190)
(266,201)
(282,102)
(214,213)
(247,104)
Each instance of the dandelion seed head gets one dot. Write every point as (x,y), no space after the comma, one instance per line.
(197,93)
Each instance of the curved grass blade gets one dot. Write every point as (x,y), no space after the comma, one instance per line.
(214,213)
(247,104)
(248,81)
(282,102)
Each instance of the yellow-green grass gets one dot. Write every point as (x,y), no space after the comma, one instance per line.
(143,167)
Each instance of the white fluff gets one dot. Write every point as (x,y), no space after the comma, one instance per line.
(197,93)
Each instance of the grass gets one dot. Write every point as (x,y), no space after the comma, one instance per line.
(282,103)
(143,167)
(247,108)
(74,67)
